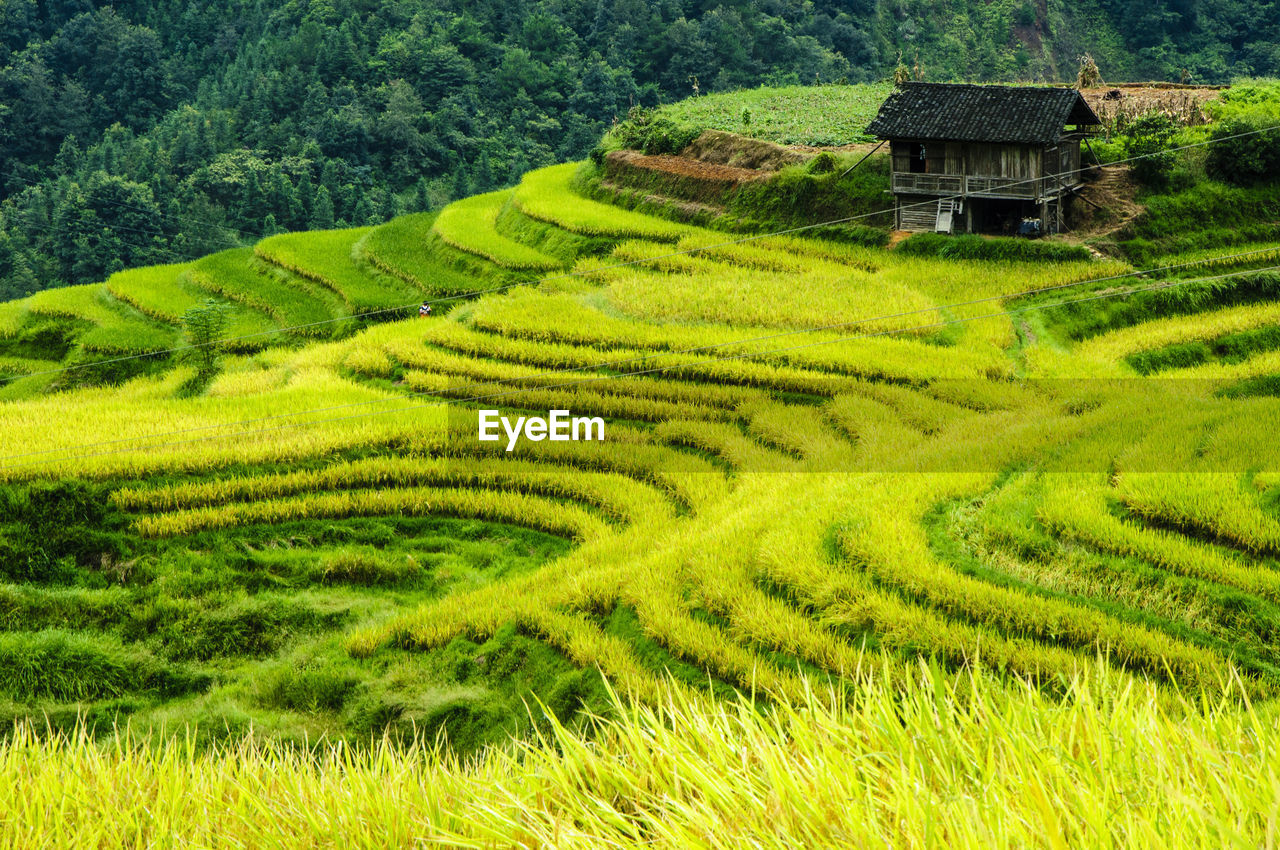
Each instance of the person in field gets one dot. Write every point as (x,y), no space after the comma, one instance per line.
(424,310)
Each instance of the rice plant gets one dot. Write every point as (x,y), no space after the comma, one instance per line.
(546,196)
(471,225)
(329,258)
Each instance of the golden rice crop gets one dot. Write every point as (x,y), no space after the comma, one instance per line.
(804,436)
(481,378)
(1212,503)
(564,319)
(893,552)
(974,764)
(753,298)
(1201,327)
(1074,506)
(617,495)
(107,432)
(1216,375)
(999,531)
(514,508)
(545,195)
(12,315)
(582,401)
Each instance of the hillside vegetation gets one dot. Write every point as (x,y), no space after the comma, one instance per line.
(138,133)
(816,449)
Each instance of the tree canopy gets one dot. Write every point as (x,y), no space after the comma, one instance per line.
(149,132)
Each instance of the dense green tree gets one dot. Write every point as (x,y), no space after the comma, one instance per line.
(322,213)
(220,117)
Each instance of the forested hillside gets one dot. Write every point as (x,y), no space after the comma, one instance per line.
(156,132)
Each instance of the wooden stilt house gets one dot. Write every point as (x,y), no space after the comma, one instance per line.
(983,159)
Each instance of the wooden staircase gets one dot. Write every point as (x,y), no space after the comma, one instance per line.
(946,212)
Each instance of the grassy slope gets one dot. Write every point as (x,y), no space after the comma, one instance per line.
(748,521)
(790,115)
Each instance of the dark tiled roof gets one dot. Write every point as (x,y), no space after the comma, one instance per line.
(960,112)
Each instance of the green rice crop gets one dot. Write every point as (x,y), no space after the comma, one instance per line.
(117,327)
(232,274)
(165,294)
(471,225)
(400,248)
(154,290)
(788,115)
(328,258)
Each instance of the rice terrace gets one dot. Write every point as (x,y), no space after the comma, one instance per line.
(892,539)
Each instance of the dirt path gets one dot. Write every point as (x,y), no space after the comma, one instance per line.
(1115,192)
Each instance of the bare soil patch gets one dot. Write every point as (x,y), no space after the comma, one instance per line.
(1120,102)
(717,147)
(1106,203)
(686,167)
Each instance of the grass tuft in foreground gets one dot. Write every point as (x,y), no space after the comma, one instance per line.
(925,759)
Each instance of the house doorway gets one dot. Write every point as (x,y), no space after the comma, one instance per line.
(1001,216)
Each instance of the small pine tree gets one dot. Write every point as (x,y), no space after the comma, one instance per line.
(422,196)
(205,326)
(322,212)
(461,183)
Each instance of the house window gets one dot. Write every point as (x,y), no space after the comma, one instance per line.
(919,159)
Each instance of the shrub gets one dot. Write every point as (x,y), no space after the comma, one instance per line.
(1244,160)
(1177,356)
(645,130)
(823,163)
(307,690)
(1149,138)
(69,666)
(56,526)
(973,247)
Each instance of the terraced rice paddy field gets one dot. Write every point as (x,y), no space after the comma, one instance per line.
(823,463)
